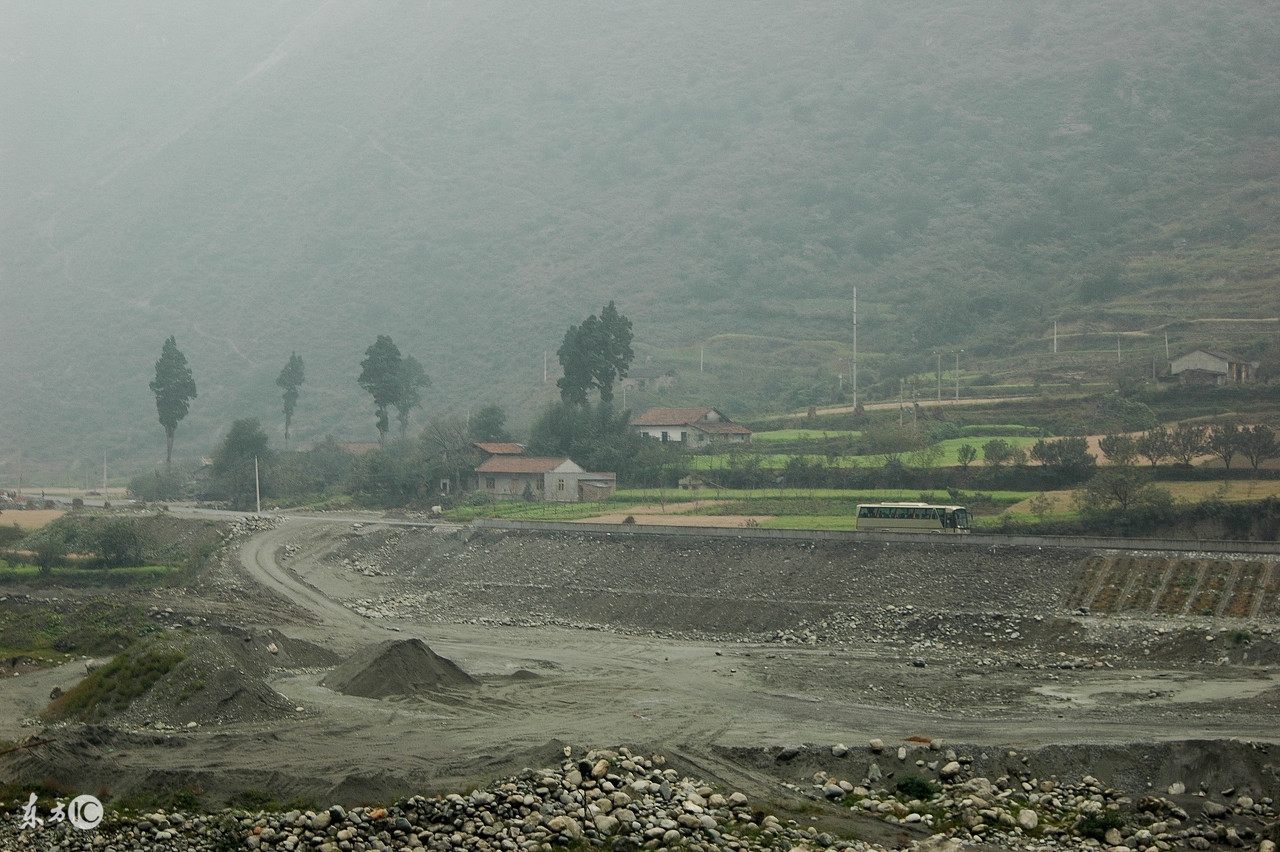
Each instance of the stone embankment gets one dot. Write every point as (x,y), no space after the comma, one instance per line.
(619,801)
(1020,810)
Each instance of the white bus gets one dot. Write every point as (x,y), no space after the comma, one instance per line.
(912,517)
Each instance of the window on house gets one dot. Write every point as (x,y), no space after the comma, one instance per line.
(684,437)
(490,482)
(559,484)
(665,437)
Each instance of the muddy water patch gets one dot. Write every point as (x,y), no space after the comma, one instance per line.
(1160,687)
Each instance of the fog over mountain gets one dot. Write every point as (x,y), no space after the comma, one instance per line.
(470,178)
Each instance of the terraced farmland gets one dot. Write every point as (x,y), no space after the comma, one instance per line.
(1153,585)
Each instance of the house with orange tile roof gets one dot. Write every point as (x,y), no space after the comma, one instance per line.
(559,480)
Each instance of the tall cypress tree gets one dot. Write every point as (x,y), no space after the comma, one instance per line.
(291,378)
(174,388)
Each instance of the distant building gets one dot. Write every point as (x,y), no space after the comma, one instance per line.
(693,427)
(1209,367)
(559,480)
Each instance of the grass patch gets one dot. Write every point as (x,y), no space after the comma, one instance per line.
(810,522)
(778,461)
(110,689)
(47,791)
(70,576)
(51,633)
(188,800)
(779,435)
(255,800)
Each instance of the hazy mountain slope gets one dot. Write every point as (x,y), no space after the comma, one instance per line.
(471,178)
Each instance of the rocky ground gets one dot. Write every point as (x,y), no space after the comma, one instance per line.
(735,666)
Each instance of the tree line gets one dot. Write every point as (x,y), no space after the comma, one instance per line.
(392,379)
(594,355)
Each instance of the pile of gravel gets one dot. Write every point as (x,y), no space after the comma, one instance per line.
(396,667)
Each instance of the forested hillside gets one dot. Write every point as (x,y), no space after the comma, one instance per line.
(257,178)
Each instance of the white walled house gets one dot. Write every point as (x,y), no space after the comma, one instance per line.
(693,427)
(1205,366)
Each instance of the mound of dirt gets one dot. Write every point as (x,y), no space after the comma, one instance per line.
(396,667)
(220,679)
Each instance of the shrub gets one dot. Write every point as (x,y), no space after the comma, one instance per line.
(915,787)
(1097,825)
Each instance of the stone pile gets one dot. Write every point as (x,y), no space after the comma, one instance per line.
(1021,812)
(620,801)
(251,525)
(611,799)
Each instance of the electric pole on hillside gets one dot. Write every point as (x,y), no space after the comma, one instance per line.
(855,349)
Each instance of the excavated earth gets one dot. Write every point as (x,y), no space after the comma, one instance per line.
(353,661)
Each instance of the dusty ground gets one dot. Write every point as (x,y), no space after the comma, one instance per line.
(715,652)
(30,519)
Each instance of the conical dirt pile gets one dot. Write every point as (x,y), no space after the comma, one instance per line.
(396,667)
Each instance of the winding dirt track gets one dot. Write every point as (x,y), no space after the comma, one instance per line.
(604,688)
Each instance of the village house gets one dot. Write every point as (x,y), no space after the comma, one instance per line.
(1209,367)
(559,480)
(693,427)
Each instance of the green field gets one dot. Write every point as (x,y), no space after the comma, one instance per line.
(71,576)
(777,461)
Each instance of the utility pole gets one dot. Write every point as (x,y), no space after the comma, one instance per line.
(855,348)
(257,493)
(958,375)
(1055,337)
(939,370)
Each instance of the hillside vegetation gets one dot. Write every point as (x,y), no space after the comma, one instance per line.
(470,179)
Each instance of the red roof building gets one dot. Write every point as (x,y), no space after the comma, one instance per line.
(559,480)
